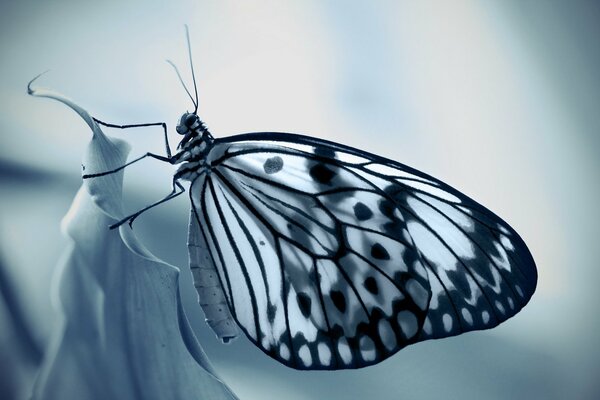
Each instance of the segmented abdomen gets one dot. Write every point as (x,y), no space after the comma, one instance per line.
(208,286)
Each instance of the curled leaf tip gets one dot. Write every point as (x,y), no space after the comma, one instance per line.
(31,91)
(123,333)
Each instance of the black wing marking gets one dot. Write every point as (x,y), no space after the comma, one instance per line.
(308,284)
(340,226)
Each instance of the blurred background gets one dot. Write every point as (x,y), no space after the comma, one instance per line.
(499,99)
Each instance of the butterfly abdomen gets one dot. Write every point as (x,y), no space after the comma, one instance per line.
(207,284)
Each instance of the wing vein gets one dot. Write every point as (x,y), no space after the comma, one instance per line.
(495,232)
(288,219)
(448,295)
(322,302)
(471,239)
(284,298)
(259,215)
(374,266)
(239,259)
(291,207)
(255,249)
(432,231)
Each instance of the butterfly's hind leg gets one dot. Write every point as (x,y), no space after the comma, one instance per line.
(159,157)
(177,190)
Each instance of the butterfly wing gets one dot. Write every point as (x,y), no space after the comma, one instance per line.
(336,258)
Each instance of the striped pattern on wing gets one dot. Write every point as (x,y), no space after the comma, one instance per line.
(309,273)
(337,258)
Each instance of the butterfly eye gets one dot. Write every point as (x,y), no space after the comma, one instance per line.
(191,119)
(181,129)
(182,125)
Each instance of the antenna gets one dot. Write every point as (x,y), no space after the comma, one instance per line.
(187,36)
(182,83)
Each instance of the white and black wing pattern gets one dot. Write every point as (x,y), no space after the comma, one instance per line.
(335,258)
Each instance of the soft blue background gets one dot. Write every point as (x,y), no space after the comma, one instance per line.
(499,99)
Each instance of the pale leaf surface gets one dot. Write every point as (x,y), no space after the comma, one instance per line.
(123,333)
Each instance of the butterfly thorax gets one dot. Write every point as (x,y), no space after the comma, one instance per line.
(193,148)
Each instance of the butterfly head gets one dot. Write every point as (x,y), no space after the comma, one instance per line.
(188,123)
(190,126)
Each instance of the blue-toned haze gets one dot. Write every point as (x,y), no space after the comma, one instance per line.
(498,99)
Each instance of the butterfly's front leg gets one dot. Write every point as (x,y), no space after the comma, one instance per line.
(159,157)
(162,124)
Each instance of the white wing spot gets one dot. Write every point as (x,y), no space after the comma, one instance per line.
(270,143)
(502,259)
(367,348)
(386,334)
(430,245)
(485,316)
(420,269)
(418,293)
(427,326)
(466,314)
(506,243)
(436,294)
(265,343)
(447,320)
(344,350)
(519,290)
(350,158)
(408,323)
(284,352)
(304,354)
(499,306)
(399,215)
(324,354)
(511,303)
(460,218)
(400,175)
(454,238)
(383,169)
(432,190)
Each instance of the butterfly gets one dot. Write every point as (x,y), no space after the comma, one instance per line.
(329,257)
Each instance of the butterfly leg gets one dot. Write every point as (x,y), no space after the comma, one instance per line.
(112,171)
(177,190)
(164,126)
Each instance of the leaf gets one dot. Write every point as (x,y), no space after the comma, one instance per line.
(123,333)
